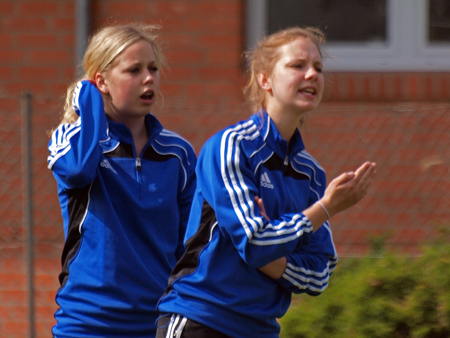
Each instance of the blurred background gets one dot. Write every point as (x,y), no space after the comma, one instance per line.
(387,99)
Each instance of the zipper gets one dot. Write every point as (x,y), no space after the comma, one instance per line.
(138,164)
(286,163)
(138,174)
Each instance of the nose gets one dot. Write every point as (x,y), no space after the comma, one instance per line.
(148,76)
(311,73)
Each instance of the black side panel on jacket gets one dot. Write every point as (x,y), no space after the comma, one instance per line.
(77,205)
(194,245)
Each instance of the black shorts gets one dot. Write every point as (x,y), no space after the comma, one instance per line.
(177,326)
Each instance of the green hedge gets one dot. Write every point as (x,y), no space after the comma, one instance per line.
(385,297)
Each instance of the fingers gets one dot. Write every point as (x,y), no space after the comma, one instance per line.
(343,178)
(349,188)
(365,169)
(260,204)
(363,178)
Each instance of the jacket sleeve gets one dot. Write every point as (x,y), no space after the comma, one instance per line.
(310,267)
(228,184)
(75,148)
(185,199)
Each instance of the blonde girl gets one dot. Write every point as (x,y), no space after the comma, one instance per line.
(125,186)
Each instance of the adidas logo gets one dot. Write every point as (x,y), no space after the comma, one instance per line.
(265,181)
(105,164)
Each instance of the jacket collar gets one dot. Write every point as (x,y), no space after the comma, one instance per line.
(273,139)
(121,132)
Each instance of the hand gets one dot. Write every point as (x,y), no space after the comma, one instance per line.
(348,189)
(260,204)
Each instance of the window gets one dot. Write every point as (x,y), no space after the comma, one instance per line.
(364,35)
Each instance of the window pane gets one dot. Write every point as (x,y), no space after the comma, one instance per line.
(439,21)
(341,20)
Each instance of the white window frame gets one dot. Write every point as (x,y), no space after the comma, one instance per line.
(407,49)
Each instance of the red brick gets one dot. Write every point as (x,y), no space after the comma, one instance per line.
(414,90)
(407,236)
(130,8)
(225,43)
(171,10)
(179,74)
(59,90)
(44,327)
(217,10)
(445,88)
(224,59)
(46,297)
(6,9)
(17,328)
(13,297)
(218,74)
(5,42)
(32,74)
(427,140)
(186,58)
(11,265)
(36,41)
(9,105)
(47,250)
(40,9)
(166,26)
(11,57)
(169,90)
(50,265)
(5,74)
(64,25)
(11,234)
(180,42)
(224,91)
(69,75)
(17,89)
(12,281)
(68,42)
(26,25)
(231,26)
(196,90)
(68,8)
(50,57)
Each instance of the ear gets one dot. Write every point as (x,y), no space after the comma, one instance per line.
(101,83)
(264,82)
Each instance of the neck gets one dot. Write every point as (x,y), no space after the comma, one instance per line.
(140,135)
(285,120)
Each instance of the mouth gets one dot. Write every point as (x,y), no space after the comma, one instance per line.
(148,96)
(308,91)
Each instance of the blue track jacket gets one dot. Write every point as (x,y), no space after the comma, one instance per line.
(217,281)
(124,220)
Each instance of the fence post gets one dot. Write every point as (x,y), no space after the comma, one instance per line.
(28,204)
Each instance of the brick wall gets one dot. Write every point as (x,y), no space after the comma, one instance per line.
(399,120)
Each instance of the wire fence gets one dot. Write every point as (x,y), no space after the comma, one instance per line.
(407,206)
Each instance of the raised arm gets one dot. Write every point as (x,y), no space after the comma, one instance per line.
(75,148)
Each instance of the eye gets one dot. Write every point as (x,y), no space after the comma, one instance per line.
(134,70)
(153,69)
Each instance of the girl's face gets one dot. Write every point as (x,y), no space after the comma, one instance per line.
(132,83)
(297,81)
